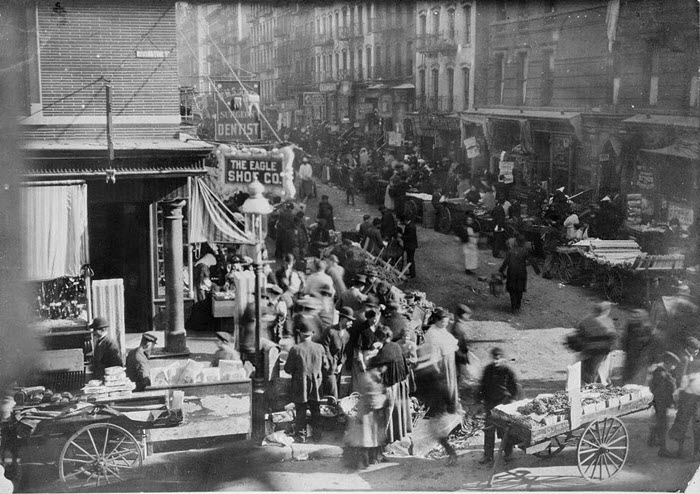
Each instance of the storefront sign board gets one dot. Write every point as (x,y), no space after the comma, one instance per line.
(645,177)
(244,170)
(682,211)
(314,99)
(505,168)
(237,117)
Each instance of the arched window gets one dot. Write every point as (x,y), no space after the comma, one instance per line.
(422,25)
(451,24)
(436,21)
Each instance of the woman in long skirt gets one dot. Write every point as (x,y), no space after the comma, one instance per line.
(394,369)
(366,432)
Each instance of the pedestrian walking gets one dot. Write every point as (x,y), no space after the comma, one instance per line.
(663,387)
(594,339)
(462,330)
(410,243)
(514,268)
(366,431)
(363,345)
(325,211)
(334,340)
(499,386)
(638,344)
(306,363)
(469,245)
(498,214)
(306,179)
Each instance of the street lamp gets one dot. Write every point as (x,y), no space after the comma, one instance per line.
(255,210)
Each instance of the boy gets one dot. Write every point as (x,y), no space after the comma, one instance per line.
(663,386)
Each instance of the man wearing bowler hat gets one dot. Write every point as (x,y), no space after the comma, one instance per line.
(137,362)
(225,351)
(306,363)
(334,340)
(106,353)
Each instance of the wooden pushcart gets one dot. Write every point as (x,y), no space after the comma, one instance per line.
(600,437)
(99,443)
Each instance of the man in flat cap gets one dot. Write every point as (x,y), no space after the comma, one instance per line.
(106,353)
(306,363)
(225,350)
(137,362)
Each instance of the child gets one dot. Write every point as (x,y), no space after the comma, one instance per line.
(663,386)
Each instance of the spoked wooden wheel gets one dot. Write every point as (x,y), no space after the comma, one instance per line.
(410,209)
(612,284)
(556,445)
(445,220)
(602,449)
(99,454)
(565,267)
(550,265)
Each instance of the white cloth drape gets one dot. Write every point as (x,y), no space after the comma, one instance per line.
(209,218)
(54,229)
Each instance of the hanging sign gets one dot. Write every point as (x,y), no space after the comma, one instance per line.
(237,111)
(682,211)
(471,146)
(645,177)
(267,170)
(313,99)
(505,168)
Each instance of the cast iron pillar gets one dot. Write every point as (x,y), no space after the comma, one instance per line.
(175,335)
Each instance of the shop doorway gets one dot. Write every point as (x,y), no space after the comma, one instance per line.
(609,171)
(119,248)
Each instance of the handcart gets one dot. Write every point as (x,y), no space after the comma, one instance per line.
(600,437)
(100,443)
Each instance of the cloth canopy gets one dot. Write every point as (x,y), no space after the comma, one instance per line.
(210,219)
(682,148)
(54,229)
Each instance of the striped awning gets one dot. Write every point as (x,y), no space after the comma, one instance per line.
(210,220)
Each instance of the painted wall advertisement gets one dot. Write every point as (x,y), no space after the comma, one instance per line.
(237,117)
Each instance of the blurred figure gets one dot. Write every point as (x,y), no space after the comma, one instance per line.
(306,363)
(320,238)
(470,246)
(597,336)
(325,211)
(294,279)
(498,386)
(335,340)
(225,350)
(364,344)
(366,432)
(306,178)
(410,243)
(663,387)
(337,274)
(461,330)
(514,268)
(638,345)
(318,278)
(473,195)
(395,380)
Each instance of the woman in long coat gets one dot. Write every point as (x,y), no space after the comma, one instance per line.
(514,267)
(470,246)
(391,361)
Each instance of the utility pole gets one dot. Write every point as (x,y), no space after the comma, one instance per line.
(110,144)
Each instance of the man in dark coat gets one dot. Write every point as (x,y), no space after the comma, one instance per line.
(515,269)
(394,320)
(376,242)
(106,353)
(498,386)
(388,228)
(306,363)
(498,215)
(334,340)
(410,244)
(137,362)
(364,228)
(325,211)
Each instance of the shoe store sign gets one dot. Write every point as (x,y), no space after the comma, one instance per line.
(267,170)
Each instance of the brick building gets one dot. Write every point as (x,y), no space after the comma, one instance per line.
(76,51)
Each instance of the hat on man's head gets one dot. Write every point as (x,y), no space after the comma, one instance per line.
(692,343)
(273,289)
(361,278)
(333,258)
(347,313)
(384,285)
(99,322)
(393,306)
(304,327)
(496,352)
(150,337)
(224,336)
(670,358)
(371,301)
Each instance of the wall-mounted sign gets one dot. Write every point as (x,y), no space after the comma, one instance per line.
(505,168)
(327,87)
(604,157)
(313,99)
(682,211)
(245,170)
(645,177)
(237,115)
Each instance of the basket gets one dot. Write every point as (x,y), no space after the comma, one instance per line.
(348,405)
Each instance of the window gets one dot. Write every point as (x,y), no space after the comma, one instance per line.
(359,63)
(465,88)
(397,60)
(337,64)
(450,89)
(467,23)
(652,72)
(421,88)
(521,78)
(409,58)
(337,23)
(499,68)
(345,60)
(436,21)
(501,13)
(547,91)
(369,63)
(377,60)
(359,20)
(451,24)
(352,63)
(436,89)
(422,25)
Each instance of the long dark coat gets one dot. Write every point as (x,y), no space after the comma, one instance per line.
(306,363)
(515,269)
(106,354)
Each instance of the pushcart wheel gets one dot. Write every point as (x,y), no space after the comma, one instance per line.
(602,449)
(410,210)
(566,267)
(556,445)
(612,285)
(445,220)
(99,453)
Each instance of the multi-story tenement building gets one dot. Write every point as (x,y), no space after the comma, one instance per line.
(102,114)
(445,49)
(574,91)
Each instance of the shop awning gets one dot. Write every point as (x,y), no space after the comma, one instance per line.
(373,87)
(472,118)
(573,118)
(210,220)
(405,85)
(665,120)
(682,148)
(54,228)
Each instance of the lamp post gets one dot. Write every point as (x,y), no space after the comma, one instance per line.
(255,209)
